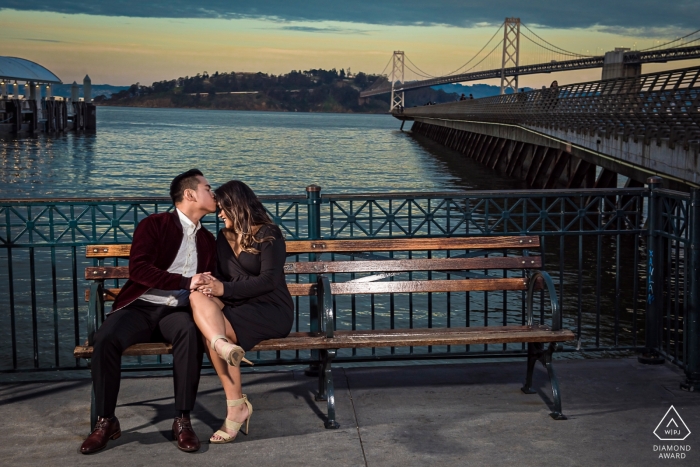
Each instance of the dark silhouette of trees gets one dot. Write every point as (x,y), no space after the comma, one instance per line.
(303,91)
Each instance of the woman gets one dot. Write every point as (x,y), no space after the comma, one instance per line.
(246,300)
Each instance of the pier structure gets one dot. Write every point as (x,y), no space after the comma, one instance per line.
(27,104)
(599,134)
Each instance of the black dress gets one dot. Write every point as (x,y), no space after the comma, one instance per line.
(256,300)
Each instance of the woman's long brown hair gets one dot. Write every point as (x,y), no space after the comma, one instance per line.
(245,211)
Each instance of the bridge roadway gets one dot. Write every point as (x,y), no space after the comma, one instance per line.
(630,58)
(580,135)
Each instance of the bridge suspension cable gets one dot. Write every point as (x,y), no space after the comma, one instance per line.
(477,54)
(559,49)
(675,40)
(488,55)
(383,72)
(422,73)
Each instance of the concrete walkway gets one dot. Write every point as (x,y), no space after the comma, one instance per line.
(416,415)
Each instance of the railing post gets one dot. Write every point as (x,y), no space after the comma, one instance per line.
(654,296)
(691,326)
(313,201)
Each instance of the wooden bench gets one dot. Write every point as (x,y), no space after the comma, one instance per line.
(471,257)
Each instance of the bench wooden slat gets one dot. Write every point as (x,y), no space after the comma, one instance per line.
(296,290)
(106,272)
(345,288)
(329,267)
(384,244)
(302,290)
(402,265)
(410,244)
(107,251)
(386,338)
(109,294)
(416,337)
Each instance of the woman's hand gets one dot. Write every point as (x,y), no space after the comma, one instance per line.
(199,280)
(211,286)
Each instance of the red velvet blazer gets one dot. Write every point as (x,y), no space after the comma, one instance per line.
(157,239)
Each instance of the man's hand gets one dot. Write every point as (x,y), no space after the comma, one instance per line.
(212,288)
(202,279)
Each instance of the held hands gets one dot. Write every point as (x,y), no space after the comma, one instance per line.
(207,284)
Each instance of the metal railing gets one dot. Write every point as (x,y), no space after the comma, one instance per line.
(650,107)
(594,244)
(673,285)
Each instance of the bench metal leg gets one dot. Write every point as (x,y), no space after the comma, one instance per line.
(326,391)
(535,352)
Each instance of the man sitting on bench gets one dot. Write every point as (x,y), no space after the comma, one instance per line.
(168,254)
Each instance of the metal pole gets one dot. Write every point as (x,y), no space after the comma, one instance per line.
(691,329)
(313,201)
(654,301)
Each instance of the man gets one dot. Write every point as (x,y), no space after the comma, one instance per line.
(169,253)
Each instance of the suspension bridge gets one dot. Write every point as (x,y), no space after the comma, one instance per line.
(521,51)
(617,131)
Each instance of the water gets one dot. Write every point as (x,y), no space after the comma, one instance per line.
(136,152)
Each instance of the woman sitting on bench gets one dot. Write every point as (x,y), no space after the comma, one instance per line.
(246,301)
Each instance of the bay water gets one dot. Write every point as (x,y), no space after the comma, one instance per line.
(137,152)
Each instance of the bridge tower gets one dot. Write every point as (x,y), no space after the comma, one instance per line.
(511,53)
(397,74)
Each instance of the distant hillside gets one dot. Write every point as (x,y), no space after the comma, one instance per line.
(477,90)
(298,91)
(63,90)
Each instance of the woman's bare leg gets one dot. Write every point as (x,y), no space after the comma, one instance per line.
(211,322)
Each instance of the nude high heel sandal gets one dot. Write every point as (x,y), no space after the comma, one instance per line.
(235,426)
(233,354)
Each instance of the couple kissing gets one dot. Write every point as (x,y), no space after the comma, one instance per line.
(220,296)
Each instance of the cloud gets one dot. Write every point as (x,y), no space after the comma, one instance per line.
(42,40)
(324,30)
(623,15)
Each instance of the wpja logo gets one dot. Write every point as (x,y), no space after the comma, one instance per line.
(672,428)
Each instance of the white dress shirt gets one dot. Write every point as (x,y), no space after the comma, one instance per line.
(185,263)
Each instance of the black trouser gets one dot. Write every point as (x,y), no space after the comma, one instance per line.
(138,323)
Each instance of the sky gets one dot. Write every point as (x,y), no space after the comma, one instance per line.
(128,41)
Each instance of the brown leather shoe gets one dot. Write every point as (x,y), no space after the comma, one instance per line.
(184,435)
(105,429)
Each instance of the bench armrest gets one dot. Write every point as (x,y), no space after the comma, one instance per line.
(325,303)
(556,312)
(96,307)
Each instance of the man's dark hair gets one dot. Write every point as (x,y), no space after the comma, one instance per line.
(184,181)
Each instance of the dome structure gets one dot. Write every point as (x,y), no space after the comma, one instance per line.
(25,70)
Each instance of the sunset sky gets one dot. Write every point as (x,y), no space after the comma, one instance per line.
(123,42)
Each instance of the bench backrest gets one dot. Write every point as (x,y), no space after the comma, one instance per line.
(473,253)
